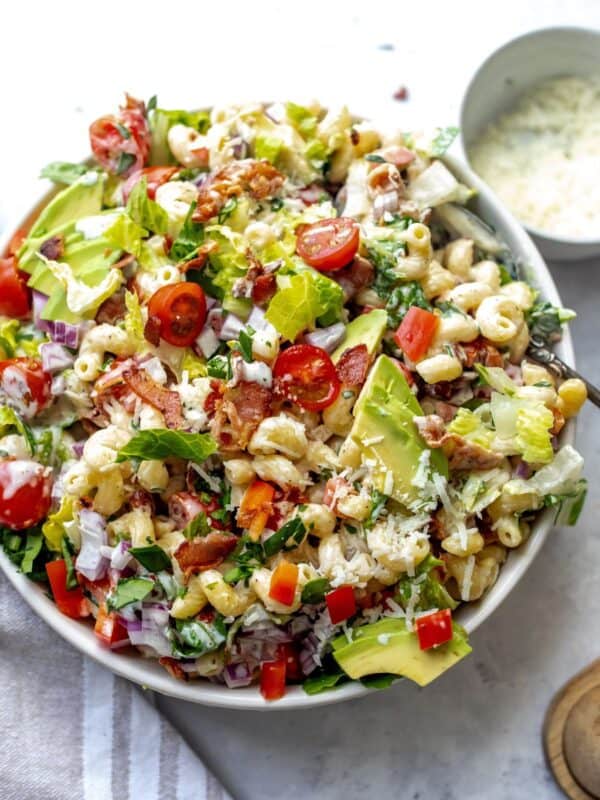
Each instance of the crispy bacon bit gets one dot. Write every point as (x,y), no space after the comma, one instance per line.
(183,508)
(312,194)
(559,422)
(243,408)
(401,93)
(201,258)
(217,388)
(124,261)
(356,276)
(152,331)
(166,401)
(259,179)
(204,552)
(264,288)
(53,248)
(174,668)
(480,351)
(353,366)
(461,453)
(400,156)
(142,499)
(354,136)
(112,309)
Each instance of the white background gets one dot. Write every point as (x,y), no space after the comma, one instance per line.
(476,732)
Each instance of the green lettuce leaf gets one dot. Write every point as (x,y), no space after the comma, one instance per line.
(152,557)
(63,172)
(189,239)
(10,419)
(134,321)
(146,212)
(470,426)
(158,443)
(443,140)
(533,437)
(545,321)
(301,300)
(402,298)
(192,638)
(129,590)
(126,234)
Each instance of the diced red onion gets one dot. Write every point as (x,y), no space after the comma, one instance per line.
(132,625)
(55,357)
(39,300)
(120,557)
(237,675)
(240,148)
(231,327)
(90,561)
(58,386)
(523,470)
(150,636)
(155,613)
(77,448)
(210,302)
(64,333)
(327,338)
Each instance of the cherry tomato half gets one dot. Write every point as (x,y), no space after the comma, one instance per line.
(155,177)
(180,309)
(306,375)
(24,493)
(15,298)
(329,244)
(24,382)
(121,143)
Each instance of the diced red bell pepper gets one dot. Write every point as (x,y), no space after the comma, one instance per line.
(341,603)
(272,679)
(288,652)
(416,332)
(70,601)
(283,583)
(109,629)
(434,629)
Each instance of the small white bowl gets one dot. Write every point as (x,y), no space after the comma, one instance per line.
(512,70)
(150,674)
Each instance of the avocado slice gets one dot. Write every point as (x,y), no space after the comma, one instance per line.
(365,329)
(388,647)
(385,433)
(81,199)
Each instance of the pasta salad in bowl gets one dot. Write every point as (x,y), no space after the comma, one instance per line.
(267,414)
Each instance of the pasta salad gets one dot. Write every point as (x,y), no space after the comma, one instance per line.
(267,414)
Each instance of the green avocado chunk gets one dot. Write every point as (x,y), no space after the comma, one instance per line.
(388,647)
(365,329)
(386,435)
(82,199)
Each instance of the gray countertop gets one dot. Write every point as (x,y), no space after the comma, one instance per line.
(474,733)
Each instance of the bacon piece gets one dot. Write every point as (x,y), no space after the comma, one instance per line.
(259,179)
(152,331)
(355,276)
(53,248)
(400,156)
(243,407)
(142,499)
(166,401)
(353,366)
(480,351)
(112,309)
(183,508)
(174,668)
(205,552)
(201,258)
(264,288)
(461,453)
(312,193)
(124,261)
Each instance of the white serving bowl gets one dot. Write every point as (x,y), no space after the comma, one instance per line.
(150,674)
(502,79)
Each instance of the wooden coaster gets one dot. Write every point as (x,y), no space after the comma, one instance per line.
(571,735)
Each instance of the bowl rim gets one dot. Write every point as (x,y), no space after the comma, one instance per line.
(537,32)
(150,675)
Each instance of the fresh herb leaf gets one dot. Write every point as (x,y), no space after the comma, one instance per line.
(402,298)
(33,548)
(219,367)
(190,237)
(126,160)
(569,505)
(381,681)
(159,443)
(245,343)
(323,681)
(146,212)
(430,593)
(129,590)
(227,210)
(443,140)
(545,321)
(199,526)
(375,158)
(294,530)
(152,557)
(151,104)
(68,552)
(384,255)
(63,172)
(276,204)
(314,591)
(192,638)
(248,556)
(378,501)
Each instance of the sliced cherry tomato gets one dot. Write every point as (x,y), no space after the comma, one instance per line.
(15,297)
(121,143)
(155,177)
(25,488)
(434,629)
(341,603)
(69,601)
(283,583)
(416,332)
(288,652)
(24,383)
(180,309)
(329,244)
(256,508)
(306,375)
(109,629)
(272,679)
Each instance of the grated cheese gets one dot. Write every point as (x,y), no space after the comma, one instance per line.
(542,156)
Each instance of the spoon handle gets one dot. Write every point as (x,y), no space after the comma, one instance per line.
(538,351)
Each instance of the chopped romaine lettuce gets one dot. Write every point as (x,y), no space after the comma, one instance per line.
(533,437)
(301,299)
(126,234)
(470,425)
(545,321)
(146,212)
(568,505)
(497,378)
(560,475)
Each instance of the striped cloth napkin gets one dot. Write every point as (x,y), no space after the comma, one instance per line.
(71,730)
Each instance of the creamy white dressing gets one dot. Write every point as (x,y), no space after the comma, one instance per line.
(18,475)
(93,227)
(15,387)
(542,156)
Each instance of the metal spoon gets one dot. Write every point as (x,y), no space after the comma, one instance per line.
(539,351)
